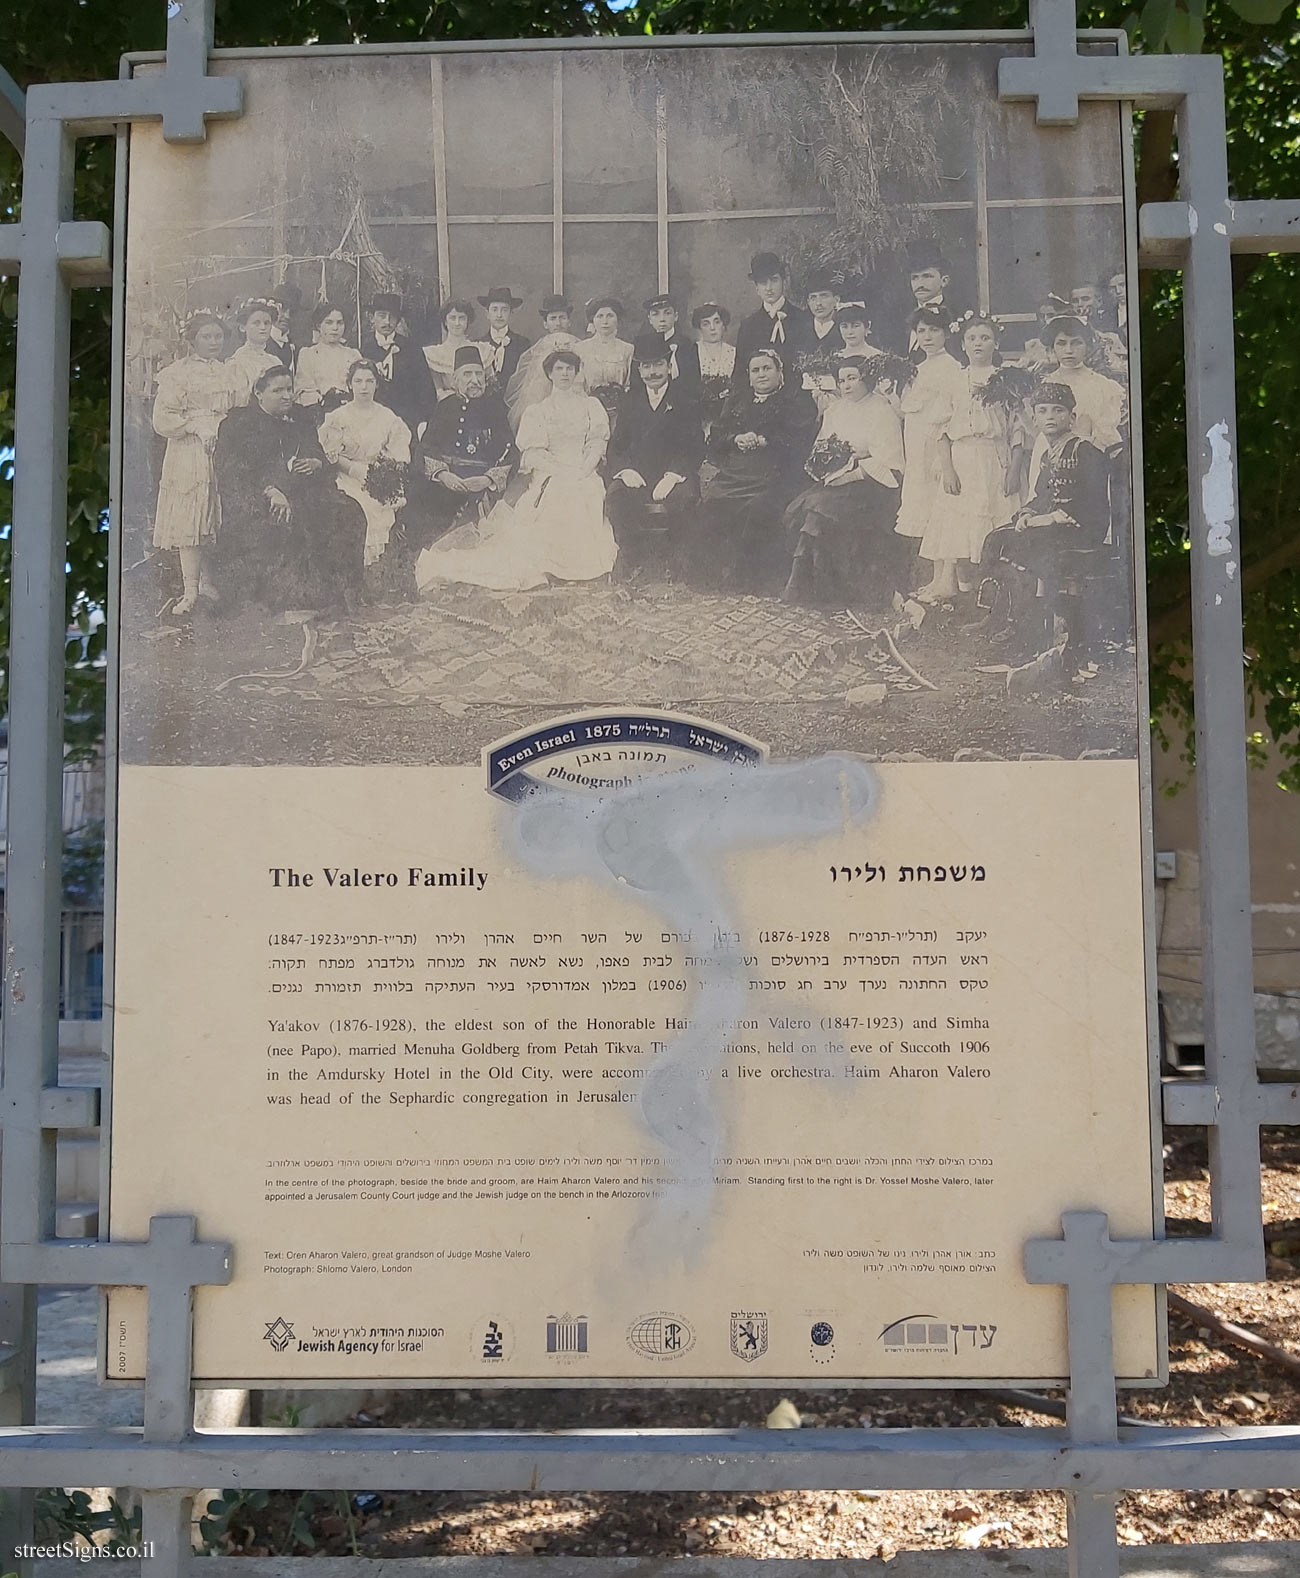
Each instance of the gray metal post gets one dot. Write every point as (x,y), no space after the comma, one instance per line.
(1219,677)
(31,975)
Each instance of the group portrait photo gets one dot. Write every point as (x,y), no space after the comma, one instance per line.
(786,388)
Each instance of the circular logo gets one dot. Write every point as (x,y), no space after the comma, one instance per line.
(661,1336)
(822,1334)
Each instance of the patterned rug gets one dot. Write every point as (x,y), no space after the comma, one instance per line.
(590,646)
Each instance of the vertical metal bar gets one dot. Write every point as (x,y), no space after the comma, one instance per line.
(165,1532)
(35,774)
(557,176)
(35,844)
(661,187)
(440,177)
(982,215)
(17,1407)
(1218,670)
(168,1386)
(1090,1530)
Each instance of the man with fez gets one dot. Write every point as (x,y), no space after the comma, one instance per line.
(502,345)
(776,321)
(404,381)
(758,447)
(683,353)
(1022,565)
(288,537)
(654,456)
(462,457)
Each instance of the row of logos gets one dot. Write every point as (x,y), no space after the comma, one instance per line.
(662,1335)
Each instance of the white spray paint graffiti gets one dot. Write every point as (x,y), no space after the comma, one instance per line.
(1216,492)
(665,839)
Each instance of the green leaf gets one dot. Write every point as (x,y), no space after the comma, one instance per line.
(1156,17)
(1262,12)
(1186,34)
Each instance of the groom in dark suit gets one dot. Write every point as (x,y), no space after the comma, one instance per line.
(776,324)
(654,458)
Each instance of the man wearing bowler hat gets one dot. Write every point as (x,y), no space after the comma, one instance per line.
(405,384)
(502,346)
(654,457)
(776,323)
(683,354)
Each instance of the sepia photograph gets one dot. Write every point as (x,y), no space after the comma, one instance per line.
(787,388)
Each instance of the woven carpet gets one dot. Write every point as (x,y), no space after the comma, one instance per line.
(590,645)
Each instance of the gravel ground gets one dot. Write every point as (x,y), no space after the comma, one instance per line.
(1210,1383)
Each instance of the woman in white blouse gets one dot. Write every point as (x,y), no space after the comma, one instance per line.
(356,435)
(845,553)
(321,378)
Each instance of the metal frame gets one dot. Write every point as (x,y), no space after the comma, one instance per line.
(1091,1458)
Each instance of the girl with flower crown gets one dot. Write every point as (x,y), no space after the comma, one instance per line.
(926,405)
(975,447)
(194,394)
(249,361)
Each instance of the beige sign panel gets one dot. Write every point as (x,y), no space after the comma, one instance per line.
(629,834)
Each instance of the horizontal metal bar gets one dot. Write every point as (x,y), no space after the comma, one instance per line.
(1134,1262)
(1165,230)
(1192,1103)
(1271,225)
(57,1262)
(1247,1559)
(70,1107)
(1279,1103)
(667,1460)
(1196,1103)
(1148,81)
(84,248)
(92,108)
(1102,35)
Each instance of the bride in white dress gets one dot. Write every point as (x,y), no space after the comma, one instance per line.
(557,530)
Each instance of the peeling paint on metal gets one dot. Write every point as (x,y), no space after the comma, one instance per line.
(664,840)
(1231,568)
(1221,228)
(1192,221)
(1217,492)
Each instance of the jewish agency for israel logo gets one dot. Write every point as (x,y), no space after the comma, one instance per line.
(749,1334)
(661,1336)
(279,1333)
